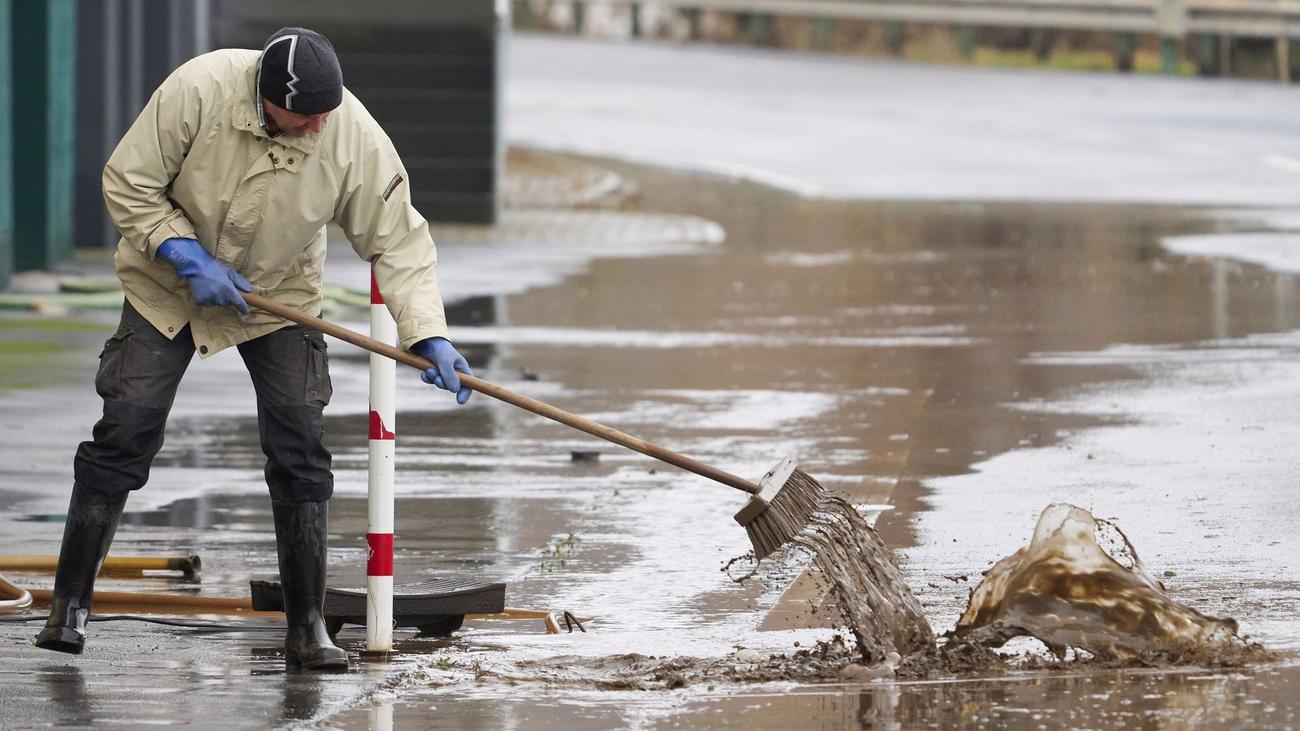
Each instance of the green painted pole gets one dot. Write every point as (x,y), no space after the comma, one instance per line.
(636,20)
(6,149)
(44,52)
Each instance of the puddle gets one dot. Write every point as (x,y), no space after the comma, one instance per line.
(888,344)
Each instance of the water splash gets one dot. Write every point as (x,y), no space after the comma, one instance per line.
(873,600)
(1080,584)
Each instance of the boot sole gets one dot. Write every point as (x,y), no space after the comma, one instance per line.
(61,645)
(322,664)
(61,638)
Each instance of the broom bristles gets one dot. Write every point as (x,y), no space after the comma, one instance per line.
(786,515)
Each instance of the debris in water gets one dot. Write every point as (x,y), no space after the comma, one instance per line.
(884,670)
(827,661)
(750,571)
(1080,584)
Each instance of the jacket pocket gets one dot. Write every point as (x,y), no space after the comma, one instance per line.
(108,379)
(317,385)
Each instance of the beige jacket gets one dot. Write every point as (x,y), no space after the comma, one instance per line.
(197,163)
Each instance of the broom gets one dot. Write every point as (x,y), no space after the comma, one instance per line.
(780,504)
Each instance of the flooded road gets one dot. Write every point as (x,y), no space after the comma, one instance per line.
(948,360)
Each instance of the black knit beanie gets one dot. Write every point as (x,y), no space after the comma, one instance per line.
(299,72)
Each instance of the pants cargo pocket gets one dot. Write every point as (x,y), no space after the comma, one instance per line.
(318,388)
(108,379)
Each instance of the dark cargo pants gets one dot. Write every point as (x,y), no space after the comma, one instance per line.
(139,372)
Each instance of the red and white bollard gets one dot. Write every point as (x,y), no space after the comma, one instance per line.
(383,441)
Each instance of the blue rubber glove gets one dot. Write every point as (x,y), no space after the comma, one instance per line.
(443,354)
(212,283)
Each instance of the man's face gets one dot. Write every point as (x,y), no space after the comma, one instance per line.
(298,125)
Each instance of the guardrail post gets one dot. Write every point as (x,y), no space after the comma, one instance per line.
(1171,22)
(579,16)
(758,26)
(894,37)
(523,14)
(823,32)
(1171,52)
(1040,43)
(692,22)
(1283,46)
(966,41)
(1124,45)
(636,19)
(1225,55)
(1206,55)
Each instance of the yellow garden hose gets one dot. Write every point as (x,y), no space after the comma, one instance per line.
(188,565)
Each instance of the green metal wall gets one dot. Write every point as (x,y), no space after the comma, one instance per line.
(43,68)
(6,152)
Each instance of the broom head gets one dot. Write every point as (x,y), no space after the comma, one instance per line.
(782,508)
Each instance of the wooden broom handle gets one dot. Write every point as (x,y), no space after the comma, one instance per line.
(540,408)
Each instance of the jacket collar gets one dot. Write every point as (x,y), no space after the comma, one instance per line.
(249,117)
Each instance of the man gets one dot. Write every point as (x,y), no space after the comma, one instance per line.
(225,184)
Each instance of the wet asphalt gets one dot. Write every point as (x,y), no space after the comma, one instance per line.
(895,347)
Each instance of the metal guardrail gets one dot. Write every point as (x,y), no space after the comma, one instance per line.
(1173,21)
(1168,18)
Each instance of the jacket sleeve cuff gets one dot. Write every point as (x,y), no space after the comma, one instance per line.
(413,331)
(177,227)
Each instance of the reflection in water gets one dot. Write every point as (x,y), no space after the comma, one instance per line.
(381,715)
(70,702)
(1132,699)
(302,695)
(1284,297)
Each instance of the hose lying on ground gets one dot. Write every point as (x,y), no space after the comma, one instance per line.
(191,566)
(15,597)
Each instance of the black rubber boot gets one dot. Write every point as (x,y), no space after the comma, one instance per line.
(92,521)
(300,537)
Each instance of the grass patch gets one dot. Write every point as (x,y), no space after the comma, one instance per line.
(28,364)
(556,555)
(53,325)
(20,349)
